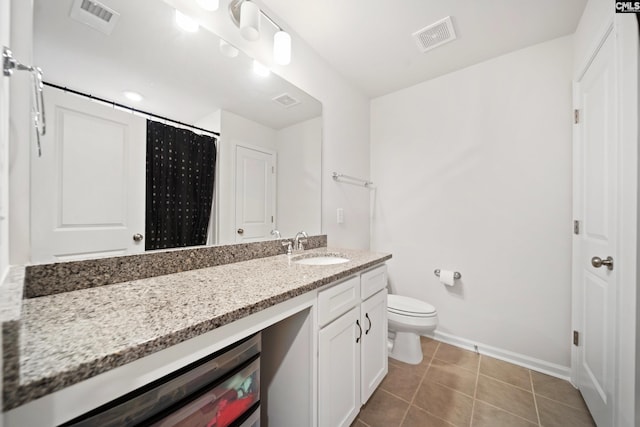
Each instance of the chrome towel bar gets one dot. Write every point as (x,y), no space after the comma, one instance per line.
(338,176)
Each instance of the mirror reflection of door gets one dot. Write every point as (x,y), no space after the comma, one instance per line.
(255,193)
(87,192)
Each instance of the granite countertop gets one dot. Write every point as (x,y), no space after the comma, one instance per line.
(68,337)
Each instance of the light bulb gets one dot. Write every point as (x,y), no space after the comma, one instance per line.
(282,48)
(185,22)
(132,96)
(228,50)
(250,21)
(260,69)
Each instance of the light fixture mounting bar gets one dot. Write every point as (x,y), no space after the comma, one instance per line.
(234,12)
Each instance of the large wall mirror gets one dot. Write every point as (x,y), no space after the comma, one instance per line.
(90,189)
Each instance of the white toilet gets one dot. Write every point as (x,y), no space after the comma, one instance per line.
(408,319)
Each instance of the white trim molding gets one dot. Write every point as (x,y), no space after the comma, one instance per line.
(538,365)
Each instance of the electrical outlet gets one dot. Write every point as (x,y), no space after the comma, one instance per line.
(340,215)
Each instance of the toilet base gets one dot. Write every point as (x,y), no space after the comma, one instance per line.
(407,348)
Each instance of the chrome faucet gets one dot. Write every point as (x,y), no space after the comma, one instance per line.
(287,244)
(298,242)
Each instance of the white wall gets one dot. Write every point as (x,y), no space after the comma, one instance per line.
(4,166)
(210,121)
(235,130)
(345,124)
(473,171)
(4,148)
(20,131)
(298,205)
(628,390)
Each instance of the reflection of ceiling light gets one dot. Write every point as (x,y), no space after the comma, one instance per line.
(246,15)
(250,21)
(260,69)
(228,50)
(210,5)
(185,23)
(282,48)
(132,96)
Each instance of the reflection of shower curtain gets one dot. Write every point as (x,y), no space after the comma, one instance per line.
(180,175)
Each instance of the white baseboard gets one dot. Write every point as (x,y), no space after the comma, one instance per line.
(558,371)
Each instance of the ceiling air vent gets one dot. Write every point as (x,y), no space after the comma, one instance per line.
(286,100)
(95,15)
(435,35)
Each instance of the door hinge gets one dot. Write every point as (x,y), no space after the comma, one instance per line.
(576,116)
(576,227)
(576,338)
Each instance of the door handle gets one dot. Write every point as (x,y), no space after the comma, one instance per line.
(359,336)
(368,329)
(598,262)
(240,231)
(138,237)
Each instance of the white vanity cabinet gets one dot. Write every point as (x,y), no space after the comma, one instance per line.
(352,345)
(323,354)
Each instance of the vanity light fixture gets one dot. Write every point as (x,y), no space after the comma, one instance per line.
(132,96)
(210,5)
(250,21)
(260,69)
(228,50)
(246,15)
(186,23)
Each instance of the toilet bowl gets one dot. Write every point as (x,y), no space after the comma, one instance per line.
(408,319)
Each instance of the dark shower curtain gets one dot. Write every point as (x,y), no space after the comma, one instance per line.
(180,177)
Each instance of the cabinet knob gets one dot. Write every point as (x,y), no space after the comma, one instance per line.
(240,231)
(138,237)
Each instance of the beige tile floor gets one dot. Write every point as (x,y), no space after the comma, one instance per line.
(455,387)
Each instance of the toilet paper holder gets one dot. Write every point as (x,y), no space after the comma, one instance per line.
(456,275)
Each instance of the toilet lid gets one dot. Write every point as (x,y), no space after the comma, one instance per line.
(407,305)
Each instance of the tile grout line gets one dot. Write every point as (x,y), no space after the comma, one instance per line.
(508,383)
(493,405)
(507,412)
(535,401)
(475,391)
(413,398)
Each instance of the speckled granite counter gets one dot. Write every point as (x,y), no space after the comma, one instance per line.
(68,337)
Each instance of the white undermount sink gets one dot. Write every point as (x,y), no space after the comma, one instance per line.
(320,259)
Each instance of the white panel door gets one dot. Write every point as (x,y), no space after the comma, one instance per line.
(373,353)
(339,370)
(88,188)
(595,188)
(255,194)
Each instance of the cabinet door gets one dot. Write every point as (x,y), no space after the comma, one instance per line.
(373,352)
(339,370)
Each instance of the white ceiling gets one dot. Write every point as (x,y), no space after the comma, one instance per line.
(370,43)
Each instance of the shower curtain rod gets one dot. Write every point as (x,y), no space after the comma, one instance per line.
(126,107)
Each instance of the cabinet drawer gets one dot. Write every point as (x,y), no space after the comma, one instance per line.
(337,300)
(373,281)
